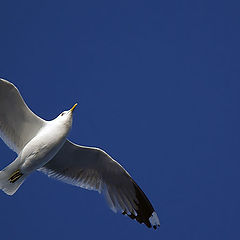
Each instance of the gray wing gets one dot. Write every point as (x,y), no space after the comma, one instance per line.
(18,124)
(94,169)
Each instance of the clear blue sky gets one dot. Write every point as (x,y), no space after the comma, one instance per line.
(158,85)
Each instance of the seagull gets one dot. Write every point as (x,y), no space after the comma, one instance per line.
(43,145)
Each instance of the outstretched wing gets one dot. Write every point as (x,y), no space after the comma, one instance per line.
(18,124)
(94,169)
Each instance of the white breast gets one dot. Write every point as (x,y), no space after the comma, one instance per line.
(43,147)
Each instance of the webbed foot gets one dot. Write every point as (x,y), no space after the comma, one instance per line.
(15,176)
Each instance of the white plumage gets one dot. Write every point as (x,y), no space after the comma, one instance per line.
(42,145)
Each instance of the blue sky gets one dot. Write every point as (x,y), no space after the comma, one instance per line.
(157,84)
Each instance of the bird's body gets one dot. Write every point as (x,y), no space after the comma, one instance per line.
(43,145)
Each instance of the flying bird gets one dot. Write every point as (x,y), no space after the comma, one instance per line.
(43,145)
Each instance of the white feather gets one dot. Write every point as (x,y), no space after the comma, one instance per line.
(18,124)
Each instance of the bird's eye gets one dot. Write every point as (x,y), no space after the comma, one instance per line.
(62,114)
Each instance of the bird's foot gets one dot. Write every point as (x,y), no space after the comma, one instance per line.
(15,176)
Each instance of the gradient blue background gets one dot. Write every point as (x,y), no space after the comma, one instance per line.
(157,84)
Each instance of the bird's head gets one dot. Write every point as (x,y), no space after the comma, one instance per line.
(66,116)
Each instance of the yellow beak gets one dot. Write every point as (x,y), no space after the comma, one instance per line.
(73,107)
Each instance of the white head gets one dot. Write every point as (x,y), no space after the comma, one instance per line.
(66,117)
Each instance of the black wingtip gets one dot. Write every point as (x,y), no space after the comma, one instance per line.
(144,211)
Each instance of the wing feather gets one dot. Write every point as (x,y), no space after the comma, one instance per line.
(93,169)
(18,124)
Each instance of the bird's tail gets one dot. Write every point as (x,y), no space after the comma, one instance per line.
(11,179)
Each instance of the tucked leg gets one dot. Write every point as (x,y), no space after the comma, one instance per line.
(15,176)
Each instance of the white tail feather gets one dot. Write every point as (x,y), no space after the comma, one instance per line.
(8,187)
